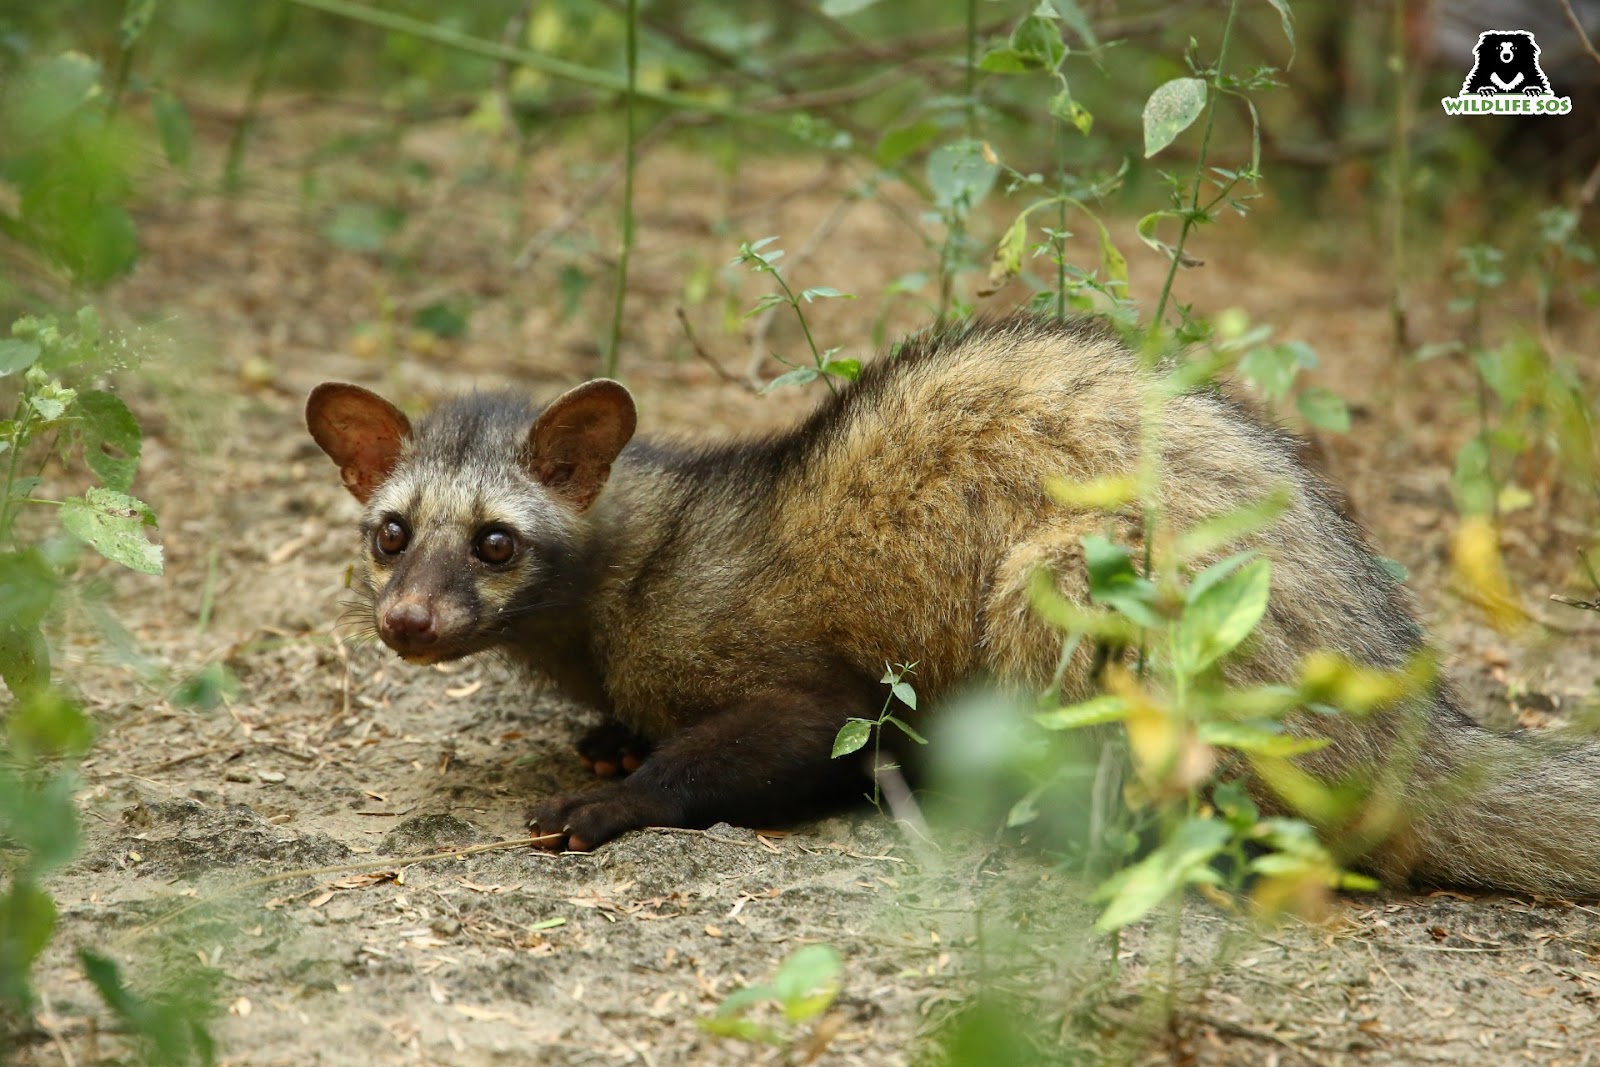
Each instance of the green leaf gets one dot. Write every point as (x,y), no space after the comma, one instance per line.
(135,17)
(42,819)
(1067,109)
(822,292)
(897,144)
(1003,61)
(24,660)
(737,1026)
(1134,891)
(798,376)
(854,734)
(111,438)
(905,694)
(1323,409)
(1171,109)
(27,587)
(1038,40)
(960,175)
(51,406)
(47,725)
(113,524)
(206,688)
(1221,616)
(906,729)
(1394,568)
(1070,13)
(441,320)
(17,355)
(53,90)
(1286,20)
(1025,810)
(848,369)
(1259,738)
(173,127)
(1211,533)
(1146,229)
(838,9)
(1272,368)
(171,1024)
(1113,581)
(1215,573)
(807,981)
(27,921)
(1112,259)
(361,227)
(1091,712)
(1008,253)
(1236,805)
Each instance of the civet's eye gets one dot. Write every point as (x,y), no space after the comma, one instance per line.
(495,546)
(391,538)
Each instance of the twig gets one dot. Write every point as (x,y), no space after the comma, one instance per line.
(1577,27)
(699,350)
(234,165)
(54,1032)
(557,68)
(630,160)
(516,25)
(1234,1029)
(1591,187)
(904,807)
(687,42)
(598,191)
(1586,605)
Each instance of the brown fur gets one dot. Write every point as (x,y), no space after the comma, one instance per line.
(734,605)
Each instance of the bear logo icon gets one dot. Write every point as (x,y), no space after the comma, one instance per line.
(1506,61)
(1506,79)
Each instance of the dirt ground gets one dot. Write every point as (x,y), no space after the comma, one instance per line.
(332,753)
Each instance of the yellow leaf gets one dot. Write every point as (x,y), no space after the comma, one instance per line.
(1481,573)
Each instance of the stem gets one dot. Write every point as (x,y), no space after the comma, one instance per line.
(972,69)
(1399,168)
(631,124)
(1193,213)
(18,435)
(252,100)
(556,68)
(805,328)
(1474,350)
(1060,239)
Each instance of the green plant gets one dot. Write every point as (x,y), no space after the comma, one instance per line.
(825,364)
(1180,716)
(1273,370)
(45,728)
(855,733)
(803,988)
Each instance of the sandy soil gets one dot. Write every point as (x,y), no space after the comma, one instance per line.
(332,754)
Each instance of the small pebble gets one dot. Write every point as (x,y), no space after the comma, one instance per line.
(271,777)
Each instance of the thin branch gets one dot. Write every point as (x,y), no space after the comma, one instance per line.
(556,68)
(516,26)
(1577,28)
(597,191)
(710,360)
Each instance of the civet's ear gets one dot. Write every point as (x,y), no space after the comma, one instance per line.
(575,440)
(360,431)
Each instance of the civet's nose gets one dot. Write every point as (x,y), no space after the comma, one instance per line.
(408,623)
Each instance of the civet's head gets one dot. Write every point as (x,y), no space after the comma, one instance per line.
(469,515)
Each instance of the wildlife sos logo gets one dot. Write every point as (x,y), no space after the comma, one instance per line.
(1505,79)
